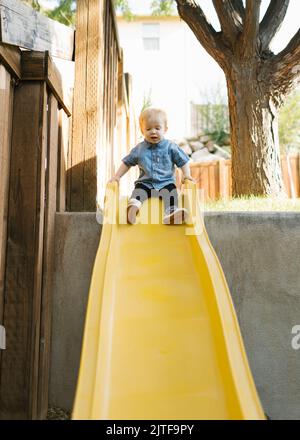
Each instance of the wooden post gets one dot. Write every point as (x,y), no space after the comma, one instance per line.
(87,116)
(63,138)
(48,256)
(23,279)
(97,52)
(28,194)
(10,70)
(6,96)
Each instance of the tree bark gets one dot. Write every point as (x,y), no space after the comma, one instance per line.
(257,82)
(253,113)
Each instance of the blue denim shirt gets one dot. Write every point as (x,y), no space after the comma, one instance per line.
(156,162)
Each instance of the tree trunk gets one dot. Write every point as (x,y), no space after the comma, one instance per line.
(253,113)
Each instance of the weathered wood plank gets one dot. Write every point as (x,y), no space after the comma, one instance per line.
(48,257)
(120,80)
(24,27)
(75,174)
(6,97)
(223,180)
(284,174)
(10,57)
(295,174)
(23,279)
(115,27)
(93,109)
(88,109)
(64,124)
(92,153)
(39,66)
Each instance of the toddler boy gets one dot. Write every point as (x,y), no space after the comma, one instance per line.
(155,157)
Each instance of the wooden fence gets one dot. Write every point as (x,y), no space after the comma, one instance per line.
(32,156)
(214,178)
(208,117)
(103,119)
(42,172)
(33,147)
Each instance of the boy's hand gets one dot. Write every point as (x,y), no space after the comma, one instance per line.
(114,179)
(183,178)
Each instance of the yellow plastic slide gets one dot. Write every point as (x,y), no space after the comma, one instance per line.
(161,338)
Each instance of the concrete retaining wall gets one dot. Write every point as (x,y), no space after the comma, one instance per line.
(259,253)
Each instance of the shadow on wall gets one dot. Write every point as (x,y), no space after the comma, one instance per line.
(81,186)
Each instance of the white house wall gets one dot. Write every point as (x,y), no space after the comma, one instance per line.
(176,74)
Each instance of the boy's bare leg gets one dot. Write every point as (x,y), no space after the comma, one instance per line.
(133,208)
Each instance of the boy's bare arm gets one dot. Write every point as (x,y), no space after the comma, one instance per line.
(186,173)
(120,172)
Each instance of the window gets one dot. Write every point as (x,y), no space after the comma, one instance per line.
(151,36)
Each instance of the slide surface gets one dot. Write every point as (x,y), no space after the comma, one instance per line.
(161,338)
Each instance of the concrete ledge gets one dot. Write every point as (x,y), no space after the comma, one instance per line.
(259,253)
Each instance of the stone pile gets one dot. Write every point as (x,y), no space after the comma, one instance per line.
(203,148)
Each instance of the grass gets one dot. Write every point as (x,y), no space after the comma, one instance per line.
(253,203)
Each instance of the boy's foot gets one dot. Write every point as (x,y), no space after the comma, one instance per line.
(176,217)
(133,208)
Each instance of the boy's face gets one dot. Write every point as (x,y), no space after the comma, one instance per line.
(153,128)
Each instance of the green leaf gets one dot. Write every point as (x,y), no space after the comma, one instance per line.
(162,7)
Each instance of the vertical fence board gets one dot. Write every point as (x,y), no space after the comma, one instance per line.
(92,154)
(23,278)
(92,107)
(76,159)
(212,170)
(48,256)
(87,136)
(63,144)
(294,174)
(223,180)
(285,175)
(6,97)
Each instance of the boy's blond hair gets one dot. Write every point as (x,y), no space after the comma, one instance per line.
(148,112)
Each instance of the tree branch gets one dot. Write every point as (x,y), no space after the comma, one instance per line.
(230,20)
(238,7)
(286,65)
(272,21)
(211,40)
(249,39)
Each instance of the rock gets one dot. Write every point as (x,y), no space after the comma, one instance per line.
(205,138)
(208,158)
(181,142)
(192,139)
(227,148)
(210,145)
(187,149)
(196,145)
(200,153)
(221,152)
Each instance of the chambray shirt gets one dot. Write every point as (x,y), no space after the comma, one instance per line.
(156,162)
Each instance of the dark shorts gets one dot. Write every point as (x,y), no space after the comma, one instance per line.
(168,194)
